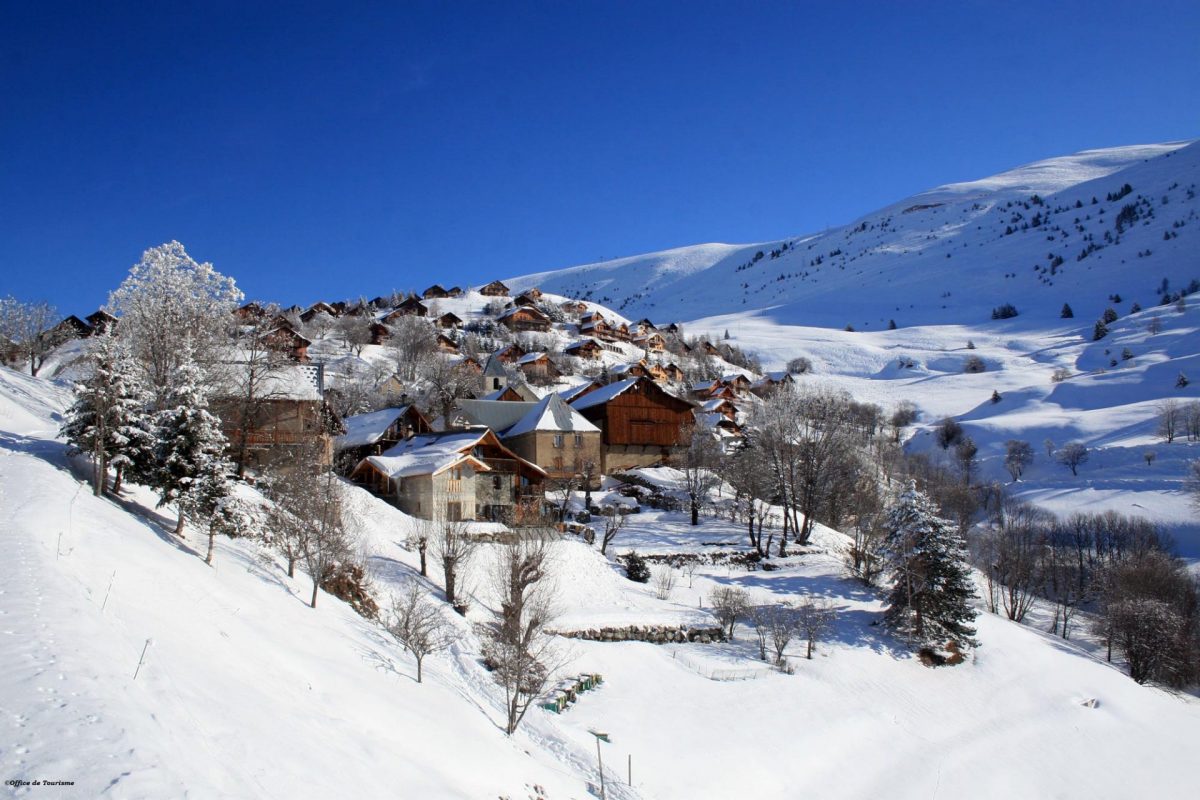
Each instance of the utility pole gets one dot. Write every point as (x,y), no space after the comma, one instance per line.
(599,762)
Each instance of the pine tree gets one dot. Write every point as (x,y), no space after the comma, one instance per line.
(1099,331)
(931,598)
(108,418)
(190,447)
(1067,313)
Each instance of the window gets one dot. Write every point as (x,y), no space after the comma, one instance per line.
(558,463)
(558,440)
(496,482)
(454,511)
(579,440)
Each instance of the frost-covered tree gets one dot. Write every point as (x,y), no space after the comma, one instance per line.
(169,299)
(108,419)
(417,623)
(930,600)
(27,330)
(190,444)
(697,466)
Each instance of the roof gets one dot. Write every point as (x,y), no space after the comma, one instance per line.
(495,414)
(570,394)
(494,368)
(429,454)
(551,414)
(364,429)
(526,310)
(603,395)
(715,404)
(530,358)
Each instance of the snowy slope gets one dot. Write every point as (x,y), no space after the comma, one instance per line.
(246,692)
(942,256)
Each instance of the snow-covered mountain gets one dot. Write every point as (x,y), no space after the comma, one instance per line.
(1036,236)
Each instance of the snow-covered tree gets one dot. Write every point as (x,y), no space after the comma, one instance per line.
(27,331)
(930,600)
(168,299)
(697,465)
(1017,456)
(191,446)
(108,419)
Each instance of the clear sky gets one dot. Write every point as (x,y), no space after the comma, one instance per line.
(323,151)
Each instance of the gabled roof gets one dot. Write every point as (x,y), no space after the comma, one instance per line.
(364,429)
(551,414)
(568,395)
(530,358)
(603,395)
(494,368)
(498,415)
(526,310)
(430,454)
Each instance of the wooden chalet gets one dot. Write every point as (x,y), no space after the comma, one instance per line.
(510,354)
(673,328)
(652,343)
(446,345)
(71,327)
(380,333)
(708,348)
(576,392)
(574,307)
(413,305)
(621,331)
(290,411)
(449,321)
(533,293)
(737,381)
(380,303)
(538,368)
(525,319)
(637,369)
(318,308)
(645,326)
(674,373)
(594,325)
(771,382)
(101,322)
(494,289)
(454,291)
(371,434)
(641,424)
(455,475)
(284,339)
(435,292)
(525,301)
(657,372)
(584,348)
(249,312)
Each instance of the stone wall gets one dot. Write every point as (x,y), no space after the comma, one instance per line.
(655,634)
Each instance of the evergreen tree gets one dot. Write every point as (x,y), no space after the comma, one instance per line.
(191,466)
(1099,331)
(931,598)
(108,418)
(1067,313)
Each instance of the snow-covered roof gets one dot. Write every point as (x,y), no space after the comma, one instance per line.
(603,395)
(714,404)
(364,429)
(429,454)
(551,414)
(530,358)
(570,394)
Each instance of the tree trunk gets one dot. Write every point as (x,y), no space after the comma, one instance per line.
(421,548)
(810,649)
(418,669)
(316,586)
(212,537)
(448,573)
(101,477)
(291,567)
(695,513)
(117,481)
(179,524)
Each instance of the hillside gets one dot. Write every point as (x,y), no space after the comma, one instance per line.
(948,255)
(247,692)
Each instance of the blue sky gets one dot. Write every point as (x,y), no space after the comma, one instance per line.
(322,151)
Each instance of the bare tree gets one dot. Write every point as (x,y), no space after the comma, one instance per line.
(28,328)
(698,463)
(690,568)
(748,471)
(664,583)
(1017,456)
(760,618)
(814,617)
(417,623)
(783,625)
(1170,415)
(613,523)
(452,546)
(1072,455)
(729,605)
(517,646)
(355,332)
(446,383)
(413,343)
(865,557)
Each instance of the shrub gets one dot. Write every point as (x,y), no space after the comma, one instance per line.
(636,569)
(974,364)
(799,365)
(1006,311)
